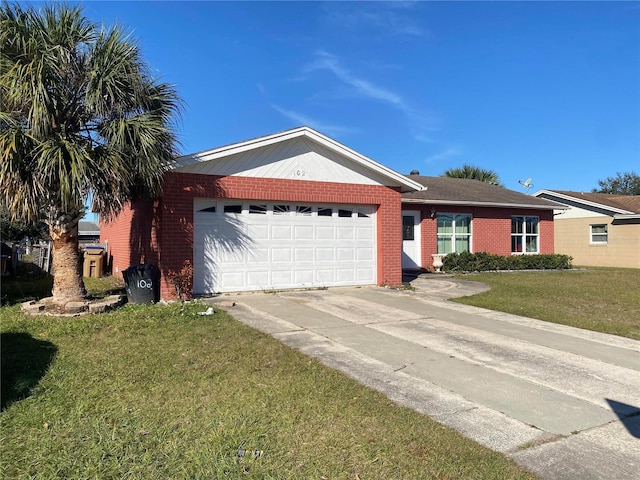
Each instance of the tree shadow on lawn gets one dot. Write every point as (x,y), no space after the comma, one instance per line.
(25,360)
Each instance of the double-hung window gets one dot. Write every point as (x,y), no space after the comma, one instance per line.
(525,236)
(599,234)
(454,233)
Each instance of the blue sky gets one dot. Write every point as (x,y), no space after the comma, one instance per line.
(547,90)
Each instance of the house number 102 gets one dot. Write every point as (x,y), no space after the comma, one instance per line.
(299,173)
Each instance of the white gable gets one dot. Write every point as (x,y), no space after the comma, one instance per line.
(298,154)
(295,159)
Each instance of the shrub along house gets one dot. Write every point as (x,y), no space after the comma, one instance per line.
(597,229)
(461,215)
(297,209)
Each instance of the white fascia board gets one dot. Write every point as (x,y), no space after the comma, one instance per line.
(405,183)
(633,216)
(586,203)
(484,204)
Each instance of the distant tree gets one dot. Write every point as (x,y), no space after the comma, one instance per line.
(627,183)
(80,115)
(16,229)
(474,173)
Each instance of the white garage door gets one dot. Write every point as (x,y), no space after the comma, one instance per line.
(241,245)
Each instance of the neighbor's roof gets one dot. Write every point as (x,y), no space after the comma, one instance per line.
(405,184)
(88,228)
(619,204)
(624,203)
(462,191)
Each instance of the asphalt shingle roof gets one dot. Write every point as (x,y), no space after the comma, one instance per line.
(471,192)
(630,203)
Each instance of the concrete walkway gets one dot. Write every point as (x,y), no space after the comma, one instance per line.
(561,401)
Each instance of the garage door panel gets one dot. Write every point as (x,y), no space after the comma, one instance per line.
(304,254)
(345,276)
(325,255)
(258,278)
(281,232)
(259,255)
(280,255)
(303,232)
(290,248)
(325,233)
(365,254)
(345,254)
(324,277)
(258,232)
(345,233)
(303,277)
(281,278)
(365,233)
(364,275)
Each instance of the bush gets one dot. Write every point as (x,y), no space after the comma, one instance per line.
(483,262)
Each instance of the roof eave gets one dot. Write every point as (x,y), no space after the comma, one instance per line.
(483,204)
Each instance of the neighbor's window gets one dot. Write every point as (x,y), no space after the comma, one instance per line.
(454,233)
(599,234)
(525,234)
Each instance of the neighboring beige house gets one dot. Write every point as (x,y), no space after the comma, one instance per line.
(597,230)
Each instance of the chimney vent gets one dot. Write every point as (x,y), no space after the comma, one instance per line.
(415,172)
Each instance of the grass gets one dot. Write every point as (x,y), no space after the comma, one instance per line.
(31,283)
(160,392)
(605,299)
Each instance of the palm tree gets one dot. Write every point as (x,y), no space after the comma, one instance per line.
(474,173)
(80,116)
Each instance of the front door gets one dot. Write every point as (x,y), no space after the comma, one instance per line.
(411,240)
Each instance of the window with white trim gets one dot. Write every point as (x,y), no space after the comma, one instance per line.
(525,236)
(454,233)
(599,233)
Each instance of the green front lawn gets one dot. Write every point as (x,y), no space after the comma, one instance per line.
(157,392)
(604,299)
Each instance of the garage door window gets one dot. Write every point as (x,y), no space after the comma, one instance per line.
(258,209)
(325,212)
(303,210)
(281,209)
(233,209)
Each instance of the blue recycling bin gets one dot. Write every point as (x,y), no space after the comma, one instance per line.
(142,283)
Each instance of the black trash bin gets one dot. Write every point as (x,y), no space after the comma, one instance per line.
(142,283)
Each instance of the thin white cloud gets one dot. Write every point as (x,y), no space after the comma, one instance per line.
(301,119)
(443,155)
(419,124)
(364,88)
(386,18)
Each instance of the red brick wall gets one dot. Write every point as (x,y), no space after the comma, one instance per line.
(131,237)
(169,223)
(491,229)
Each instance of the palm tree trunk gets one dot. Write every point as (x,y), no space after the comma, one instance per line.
(67,266)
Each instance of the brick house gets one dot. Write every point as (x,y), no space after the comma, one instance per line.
(456,215)
(292,209)
(297,209)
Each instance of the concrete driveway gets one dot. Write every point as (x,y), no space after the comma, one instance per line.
(562,402)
